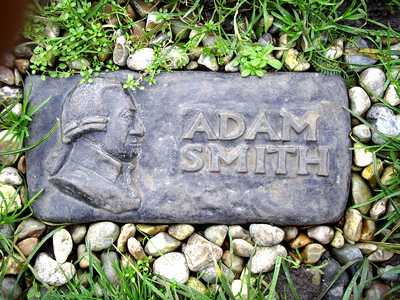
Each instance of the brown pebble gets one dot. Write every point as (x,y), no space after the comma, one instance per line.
(27,245)
(300,241)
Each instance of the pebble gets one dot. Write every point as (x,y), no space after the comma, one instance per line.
(141,59)
(180,231)
(196,285)
(378,209)
(176,57)
(193,65)
(368,230)
(360,193)
(22,65)
(367,248)
(353,225)
(9,142)
(135,249)
(199,252)
(101,235)
(13,264)
(160,244)
(373,171)
(294,63)
(312,253)
(264,258)
(336,50)
(52,30)
(120,52)
(78,64)
(10,289)
(78,233)
(172,266)
(9,200)
(9,95)
(266,235)
(62,245)
(238,232)
(232,66)
(29,228)
(373,82)
(300,241)
(127,231)
(83,256)
(353,57)
(290,232)
(389,273)
(22,165)
(209,40)
(331,270)
(362,156)
(232,261)
(216,234)
(348,253)
(6,75)
(154,21)
(48,271)
(377,291)
(27,245)
(359,100)
(17,109)
(283,43)
(380,255)
(242,248)
(322,234)
(213,273)
(179,29)
(151,229)
(391,95)
(110,261)
(338,240)
(388,175)
(239,289)
(209,61)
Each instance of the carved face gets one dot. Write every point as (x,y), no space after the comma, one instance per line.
(125,129)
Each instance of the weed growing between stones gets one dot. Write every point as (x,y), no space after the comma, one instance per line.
(356,258)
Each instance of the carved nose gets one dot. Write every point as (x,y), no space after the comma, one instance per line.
(138,129)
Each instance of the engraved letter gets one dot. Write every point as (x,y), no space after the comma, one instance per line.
(261,125)
(282,150)
(220,153)
(226,133)
(309,121)
(191,160)
(200,124)
(322,161)
(260,159)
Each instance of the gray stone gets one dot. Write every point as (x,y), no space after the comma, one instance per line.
(29,228)
(242,248)
(78,233)
(172,266)
(213,272)
(180,231)
(347,254)
(331,270)
(322,234)
(50,272)
(101,235)
(287,131)
(109,262)
(62,245)
(264,258)
(175,56)
(6,75)
(373,82)
(391,95)
(10,175)
(266,235)
(359,100)
(358,61)
(209,61)
(216,234)
(9,142)
(10,289)
(127,231)
(9,94)
(160,244)
(140,59)
(362,133)
(120,52)
(233,262)
(389,273)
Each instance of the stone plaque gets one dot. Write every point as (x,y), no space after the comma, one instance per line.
(196,147)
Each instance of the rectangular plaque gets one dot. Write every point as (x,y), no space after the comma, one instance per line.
(196,147)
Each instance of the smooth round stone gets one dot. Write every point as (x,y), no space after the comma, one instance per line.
(209,40)
(209,61)
(211,273)
(373,82)
(62,245)
(193,65)
(78,64)
(293,63)
(239,289)
(377,291)
(232,66)
(264,258)
(176,57)
(153,21)
(362,133)
(52,30)
(373,171)
(179,29)
(312,253)
(380,255)
(180,231)
(266,235)
(50,272)
(300,241)
(242,248)
(196,285)
(120,52)
(135,249)
(389,273)
(10,199)
(391,95)
(360,192)
(358,60)
(290,232)
(379,111)
(9,94)
(22,65)
(216,234)
(353,225)
(151,229)
(160,244)
(10,289)
(378,209)
(368,230)
(127,231)
(83,256)
(109,261)
(359,100)
(9,142)
(78,233)
(17,109)
(362,157)
(336,50)
(367,248)
(101,235)
(172,266)
(232,261)
(388,175)
(29,228)
(10,175)
(238,232)
(6,75)
(141,59)
(347,254)
(338,240)
(322,234)
(27,245)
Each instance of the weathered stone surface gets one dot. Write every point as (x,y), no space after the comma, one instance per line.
(223,150)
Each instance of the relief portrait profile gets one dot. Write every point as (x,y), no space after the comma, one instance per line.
(95,159)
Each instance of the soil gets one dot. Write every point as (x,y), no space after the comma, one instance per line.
(385,12)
